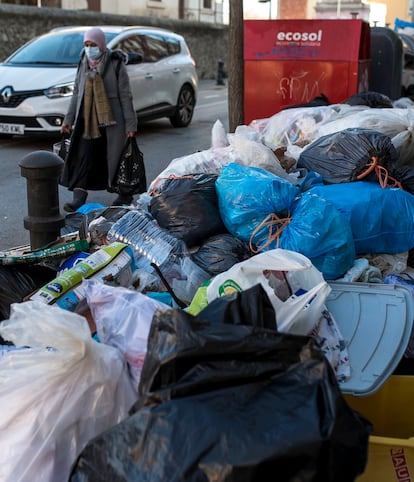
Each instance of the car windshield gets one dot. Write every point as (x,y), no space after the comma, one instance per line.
(59,48)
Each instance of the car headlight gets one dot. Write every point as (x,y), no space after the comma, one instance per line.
(63,90)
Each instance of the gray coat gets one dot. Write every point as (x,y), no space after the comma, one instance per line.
(118,91)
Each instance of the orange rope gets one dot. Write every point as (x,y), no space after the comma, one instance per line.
(270,221)
(384,179)
(371,166)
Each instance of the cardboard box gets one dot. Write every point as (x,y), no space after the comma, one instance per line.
(391,447)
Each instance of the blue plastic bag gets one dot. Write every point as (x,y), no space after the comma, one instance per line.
(247,195)
(380,218)
(314,227)
(319,231)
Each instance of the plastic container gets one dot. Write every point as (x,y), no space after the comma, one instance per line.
(376,321)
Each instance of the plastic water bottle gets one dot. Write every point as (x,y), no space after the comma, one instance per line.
(146,237)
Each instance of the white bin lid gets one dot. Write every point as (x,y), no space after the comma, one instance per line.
(376,322)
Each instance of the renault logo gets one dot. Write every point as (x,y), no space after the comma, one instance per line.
(6,94)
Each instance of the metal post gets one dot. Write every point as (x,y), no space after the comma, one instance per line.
(220,72)
(42,170)
(338,9)
(270,7)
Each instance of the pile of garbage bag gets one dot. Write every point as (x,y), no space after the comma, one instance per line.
(187,336)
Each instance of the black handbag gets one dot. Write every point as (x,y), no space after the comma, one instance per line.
(131,177)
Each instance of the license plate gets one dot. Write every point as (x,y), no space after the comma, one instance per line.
(11,128)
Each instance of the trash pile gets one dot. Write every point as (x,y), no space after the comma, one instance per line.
(189,336)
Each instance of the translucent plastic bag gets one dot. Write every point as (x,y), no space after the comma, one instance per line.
(209,161)
(240,149)
(56,395)
(123,320)
(256,154)
(299,125)
(218,135)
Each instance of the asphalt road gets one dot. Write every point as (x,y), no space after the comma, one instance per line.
(159,142)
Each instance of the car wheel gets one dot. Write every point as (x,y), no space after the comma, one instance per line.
(185,107)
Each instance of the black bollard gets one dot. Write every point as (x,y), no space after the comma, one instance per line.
(42,170)
(220,72)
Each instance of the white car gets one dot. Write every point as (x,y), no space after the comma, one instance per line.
(36,81)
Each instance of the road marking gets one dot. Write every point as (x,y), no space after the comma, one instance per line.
(211,104)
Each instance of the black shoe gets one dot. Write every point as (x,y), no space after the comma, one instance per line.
(122,199)
(79,198)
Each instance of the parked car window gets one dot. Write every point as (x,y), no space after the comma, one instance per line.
(156,48)
(173,46)
(54,49)
(59,49)
(132,44)
(152,47)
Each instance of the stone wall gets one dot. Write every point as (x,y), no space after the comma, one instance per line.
(207,42)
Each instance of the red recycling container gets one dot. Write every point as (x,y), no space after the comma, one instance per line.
(289,62)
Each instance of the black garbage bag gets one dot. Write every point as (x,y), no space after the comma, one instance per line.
(229,402)
(238,309)
(405,176)
(375,100)
(188,208)
(347,155)
(220,252)
(17,282)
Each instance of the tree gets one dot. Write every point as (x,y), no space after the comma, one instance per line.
(236,65)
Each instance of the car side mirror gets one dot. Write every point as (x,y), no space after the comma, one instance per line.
(134,58)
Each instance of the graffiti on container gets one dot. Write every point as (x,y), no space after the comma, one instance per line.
(299,87)
(292,51)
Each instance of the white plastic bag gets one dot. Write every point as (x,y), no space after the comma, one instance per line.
(218,135)
(56,395)
(256,154)
(296,289)
(211,161)
(300,124)
(123,319)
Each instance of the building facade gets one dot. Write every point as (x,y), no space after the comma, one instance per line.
(209,11)
(380,12)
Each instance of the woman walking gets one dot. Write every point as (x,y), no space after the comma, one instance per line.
(101,116)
